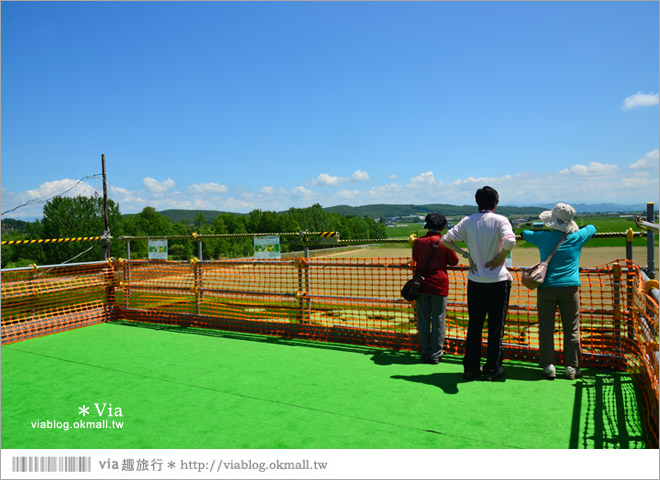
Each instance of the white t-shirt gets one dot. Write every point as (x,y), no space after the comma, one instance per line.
(486,234)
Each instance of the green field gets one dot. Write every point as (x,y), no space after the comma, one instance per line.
(603,223)
(176,387)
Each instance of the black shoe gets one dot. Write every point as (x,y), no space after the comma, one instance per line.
(495,376)
(435,360)
(425,358)
(468,375)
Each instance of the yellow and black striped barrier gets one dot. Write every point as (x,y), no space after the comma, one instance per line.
(411,239)
(328,238)
(203,236)
(51,240)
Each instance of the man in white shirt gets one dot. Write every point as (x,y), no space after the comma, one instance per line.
(489,238)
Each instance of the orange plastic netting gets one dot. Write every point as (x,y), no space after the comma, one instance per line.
(39,301)
(354,300)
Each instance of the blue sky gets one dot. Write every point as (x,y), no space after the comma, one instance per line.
(238,106)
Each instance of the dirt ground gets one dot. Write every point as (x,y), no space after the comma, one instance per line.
(522,257)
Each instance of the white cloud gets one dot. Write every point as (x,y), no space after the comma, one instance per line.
(30,203)
(301,192)
(274,193)
(393,177)
(206,188)
(360,176)
(593,169)
(347,194)
(66,187)
(636,182)
(235,205)
(640,99)
(385,189)
(478,182)
(640,183)
(650,161)
(327,180)
(154,186)
(124,195)
(427,178)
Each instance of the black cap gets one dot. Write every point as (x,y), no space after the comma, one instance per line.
(435,221)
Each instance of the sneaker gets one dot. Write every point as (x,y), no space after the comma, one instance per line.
(469,375)
(435,360)
(497,375)
(572,373)
(550,372)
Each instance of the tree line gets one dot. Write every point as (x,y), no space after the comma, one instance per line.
(66,217)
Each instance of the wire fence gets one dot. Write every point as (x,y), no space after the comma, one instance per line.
(353,300)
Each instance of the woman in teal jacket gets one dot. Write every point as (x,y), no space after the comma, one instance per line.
(560,288)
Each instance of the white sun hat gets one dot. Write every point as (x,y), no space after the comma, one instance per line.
(560,218)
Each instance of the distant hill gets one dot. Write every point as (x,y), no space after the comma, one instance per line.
(386,211)
(639,208)
(376,211)
(389,211)
(189,215)
(9,225)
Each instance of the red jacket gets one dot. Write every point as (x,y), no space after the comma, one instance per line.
(436,280)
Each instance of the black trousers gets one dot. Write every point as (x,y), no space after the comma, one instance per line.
(486,300)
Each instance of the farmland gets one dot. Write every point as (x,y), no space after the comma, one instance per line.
(604,224)
(597,251)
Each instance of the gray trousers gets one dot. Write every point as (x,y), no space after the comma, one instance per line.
(568,301)
(431,311)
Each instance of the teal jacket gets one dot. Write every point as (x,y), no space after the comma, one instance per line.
(563,269)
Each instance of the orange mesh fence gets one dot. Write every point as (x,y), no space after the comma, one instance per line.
(638,314)
(350,301)
(354,300)
(39,301)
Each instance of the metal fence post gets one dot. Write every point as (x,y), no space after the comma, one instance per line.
(31,290)
(629,306)
(127,282)
(301,263)
(617,310)
(630,237)
(650,241)
(304,302)
(197,274)
(110,301)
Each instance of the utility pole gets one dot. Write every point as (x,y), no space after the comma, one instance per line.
(106,233)
(650,242)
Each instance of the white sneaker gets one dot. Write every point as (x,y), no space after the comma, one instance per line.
(572,373)
(550,371)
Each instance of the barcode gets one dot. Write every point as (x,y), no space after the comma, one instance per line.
(51,464)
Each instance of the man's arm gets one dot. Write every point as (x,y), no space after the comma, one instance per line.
(497,260)
(452,246)
(508,242)
(450,257)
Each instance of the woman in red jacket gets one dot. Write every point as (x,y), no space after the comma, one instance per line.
(432,302)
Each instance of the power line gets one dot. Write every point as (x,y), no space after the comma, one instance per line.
(41,199)
(81,253)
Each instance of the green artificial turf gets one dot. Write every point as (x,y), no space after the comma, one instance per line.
(175,387)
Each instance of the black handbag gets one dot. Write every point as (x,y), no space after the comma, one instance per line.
(413,287)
